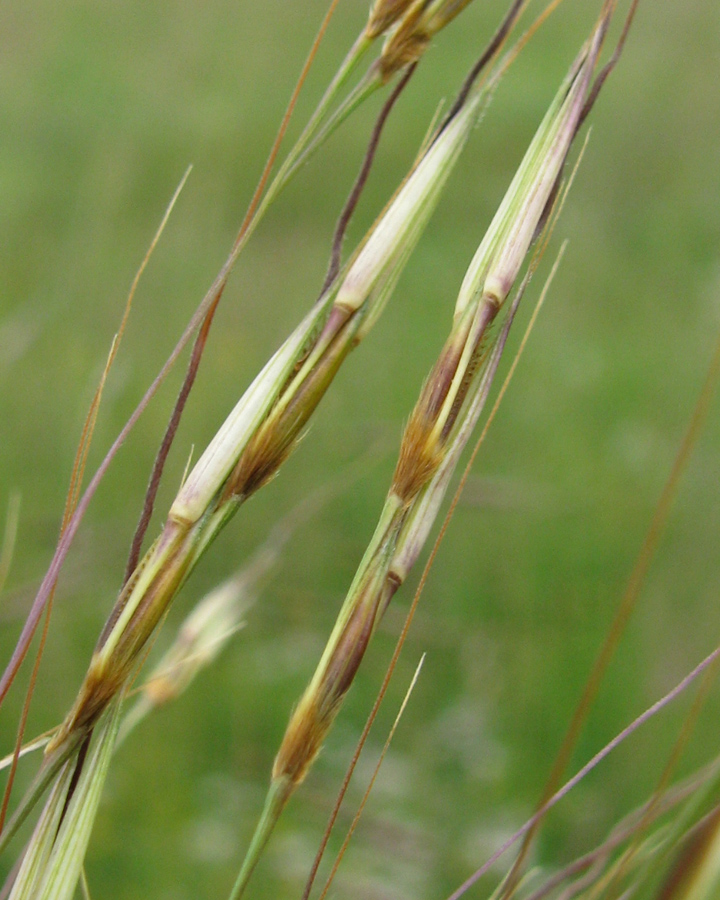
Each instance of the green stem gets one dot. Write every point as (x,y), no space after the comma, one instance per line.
(365,88)
(278,795)
(49,769)
(309,140)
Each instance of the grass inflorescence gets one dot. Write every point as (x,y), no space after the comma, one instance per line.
(269,421)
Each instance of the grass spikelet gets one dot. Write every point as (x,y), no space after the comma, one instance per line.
(316,712)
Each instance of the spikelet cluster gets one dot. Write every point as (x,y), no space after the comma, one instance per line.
(266,423)
(442,420)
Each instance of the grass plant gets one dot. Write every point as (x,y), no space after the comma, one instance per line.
(659,851)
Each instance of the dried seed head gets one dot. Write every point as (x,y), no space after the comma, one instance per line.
(302,741)
(407,43)
(383,14)
(136,614)
(420,456)
(342,656)
(259,463)
(421,447)
(419,25)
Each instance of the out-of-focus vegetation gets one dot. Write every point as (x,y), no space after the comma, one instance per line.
(102,106)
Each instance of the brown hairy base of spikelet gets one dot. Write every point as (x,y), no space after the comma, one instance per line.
(420,456)
(316,712)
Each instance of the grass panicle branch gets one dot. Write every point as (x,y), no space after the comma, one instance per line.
(261,201)
(440,488)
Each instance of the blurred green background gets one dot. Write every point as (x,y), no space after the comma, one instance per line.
(102,107)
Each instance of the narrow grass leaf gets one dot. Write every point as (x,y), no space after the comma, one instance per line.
(64,868)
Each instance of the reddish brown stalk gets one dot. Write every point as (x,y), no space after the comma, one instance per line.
(76,478)
(83,450)
(629,598)
(48,583)
(355,193)
(496,42)
(285,122)
(358,750)
(625,830)
(201,340)
(70,503)
(80,463)
(371,783)
(168,438)
(81,455)
(63,546)
(22,724)
(608,67)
